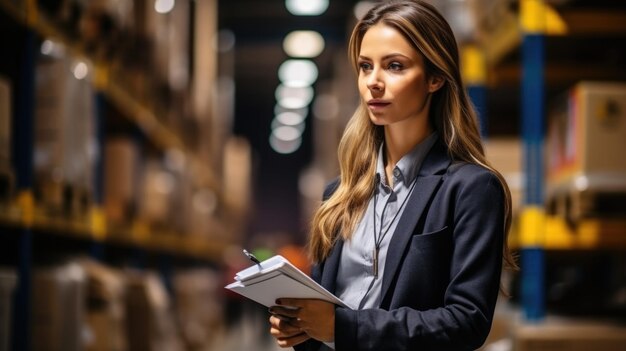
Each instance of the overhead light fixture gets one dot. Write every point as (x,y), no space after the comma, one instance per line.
(163,6)
(290,118)
(304,111)
(306,7)
(298,73)
(277,123)
(294,97)
(303,43)
(285,146)
(286,133)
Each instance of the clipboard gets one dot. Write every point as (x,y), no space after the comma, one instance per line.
(277,278)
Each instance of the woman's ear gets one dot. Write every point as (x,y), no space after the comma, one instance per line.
(435,83)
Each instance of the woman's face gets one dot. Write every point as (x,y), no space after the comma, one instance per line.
(392,79)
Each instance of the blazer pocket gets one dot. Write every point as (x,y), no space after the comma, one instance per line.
(427,268)
(436,238)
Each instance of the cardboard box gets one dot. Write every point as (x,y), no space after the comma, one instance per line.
(150,320)
(64,133)
(586,168)
(80,152)
(52,74)
(157,190)
(7,177)
(58,306)
(505,155)
(8,280)
(199,306)
(5,121)
(583,127)
(121,163)
(105,316)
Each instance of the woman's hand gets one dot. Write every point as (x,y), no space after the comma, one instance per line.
(316,318)
(286,334)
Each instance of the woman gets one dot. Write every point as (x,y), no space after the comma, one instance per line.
(413,234)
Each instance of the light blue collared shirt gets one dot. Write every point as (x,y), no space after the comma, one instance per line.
(356,285)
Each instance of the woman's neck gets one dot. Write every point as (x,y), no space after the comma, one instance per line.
(400,141)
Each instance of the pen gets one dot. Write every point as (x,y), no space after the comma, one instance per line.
(252,257)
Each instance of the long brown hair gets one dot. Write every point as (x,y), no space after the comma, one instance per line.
(451,115)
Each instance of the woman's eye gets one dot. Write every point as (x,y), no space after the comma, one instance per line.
(395,66)
(364,66)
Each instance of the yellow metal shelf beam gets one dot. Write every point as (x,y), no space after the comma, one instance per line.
(557,234)
(506,37)
(502,41)
(94,227)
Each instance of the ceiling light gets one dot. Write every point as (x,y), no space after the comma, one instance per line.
(294,97)
(303,43)
(298,73)
(284,147)
(276,123)
(306,7)
(163,6)
(290,118)
(304,111)
(286,133)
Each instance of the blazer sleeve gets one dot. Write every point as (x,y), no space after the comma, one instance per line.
(464,320)
(312,344)
(316,274)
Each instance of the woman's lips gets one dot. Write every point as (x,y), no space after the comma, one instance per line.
(377,105)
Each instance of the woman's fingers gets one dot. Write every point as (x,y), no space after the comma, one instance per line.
(293,341)
(293,316)
(281,327)
(286,311)
(286,334)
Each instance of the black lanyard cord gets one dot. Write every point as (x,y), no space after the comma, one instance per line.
(378,240)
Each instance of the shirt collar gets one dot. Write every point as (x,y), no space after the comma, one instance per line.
(407,168)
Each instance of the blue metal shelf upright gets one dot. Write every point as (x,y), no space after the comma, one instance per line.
(533,24)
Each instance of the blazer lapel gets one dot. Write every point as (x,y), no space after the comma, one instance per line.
(331,267)
(430,175)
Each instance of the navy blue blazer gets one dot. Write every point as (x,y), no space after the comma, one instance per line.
(442,274)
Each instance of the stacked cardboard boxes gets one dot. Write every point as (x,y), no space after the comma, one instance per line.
(6,172)
(586,172)
(65,147)
(8,281)
(58,308)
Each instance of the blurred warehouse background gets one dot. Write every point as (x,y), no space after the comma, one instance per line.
(144,143)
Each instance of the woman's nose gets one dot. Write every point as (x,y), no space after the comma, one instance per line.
(374,81)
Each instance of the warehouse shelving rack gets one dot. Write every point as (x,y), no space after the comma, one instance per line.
(529,42)
(25,221)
